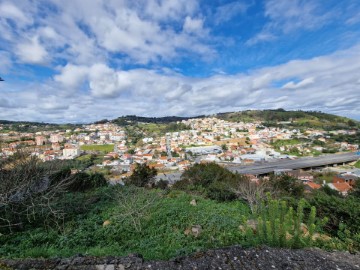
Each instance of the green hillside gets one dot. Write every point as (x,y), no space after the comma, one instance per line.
(296,119)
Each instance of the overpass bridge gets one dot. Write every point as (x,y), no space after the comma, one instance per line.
(301,163)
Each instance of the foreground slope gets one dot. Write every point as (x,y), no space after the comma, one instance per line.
(234,257)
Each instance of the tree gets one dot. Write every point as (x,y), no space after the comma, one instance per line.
(285,185)
(142,176)
(224,147)
(30,190)
(251,192)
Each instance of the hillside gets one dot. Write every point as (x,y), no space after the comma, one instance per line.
(131,119)
(296,119)
(27,126)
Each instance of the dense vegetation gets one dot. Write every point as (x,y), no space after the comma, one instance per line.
(210,207)
(133,119)
(23,126)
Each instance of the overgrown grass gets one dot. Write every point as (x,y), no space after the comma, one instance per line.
(161,237)
(106,148)
(357,164)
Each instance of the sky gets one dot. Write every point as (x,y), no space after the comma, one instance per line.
(79,61)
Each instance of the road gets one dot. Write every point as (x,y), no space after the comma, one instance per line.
(268,167)
(301,163)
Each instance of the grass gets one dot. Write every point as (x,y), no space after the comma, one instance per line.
(161,237)
(357,164)
(106,148)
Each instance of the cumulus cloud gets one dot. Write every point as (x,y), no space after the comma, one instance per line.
(32,52)
(106,58)
(115,92)
(193,25)
(10,11)
(72,76)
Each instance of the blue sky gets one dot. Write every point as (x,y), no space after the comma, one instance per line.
(85,60)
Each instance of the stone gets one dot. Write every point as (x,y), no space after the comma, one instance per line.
(193,202)
(106,223)
(196,230)
(110,267)
(120,267)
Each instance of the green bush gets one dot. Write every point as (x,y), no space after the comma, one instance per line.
(279,225)
(210,180)
(142,176)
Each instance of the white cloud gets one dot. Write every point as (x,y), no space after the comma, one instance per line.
(10,11)
(168,10)
(97,39)
(294,85)
(287,16)
(193,25)
(5,60)
(32,52)
(226,12)
(105,82)
(72,76)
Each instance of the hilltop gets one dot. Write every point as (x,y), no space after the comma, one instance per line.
(277,117)
(296,119)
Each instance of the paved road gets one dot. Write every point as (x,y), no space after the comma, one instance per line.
(301,163)
(268,167)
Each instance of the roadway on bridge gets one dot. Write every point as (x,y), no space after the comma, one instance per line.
(300,163)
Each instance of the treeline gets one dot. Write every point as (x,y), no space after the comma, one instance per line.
(131,119)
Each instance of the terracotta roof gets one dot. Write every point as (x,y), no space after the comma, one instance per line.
(342,187)
(313,185)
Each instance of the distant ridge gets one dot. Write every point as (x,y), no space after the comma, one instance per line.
(298,118)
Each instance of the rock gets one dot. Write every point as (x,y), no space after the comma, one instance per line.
(235,257)
(187,231)
(196,230)
(110,267)
(121,267)
(193,202)
(106,223)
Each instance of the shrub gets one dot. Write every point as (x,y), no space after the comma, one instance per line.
(142,176)
(285,185)
(281,226)
(210,180)
(83,181)
(162,184)
(29,191)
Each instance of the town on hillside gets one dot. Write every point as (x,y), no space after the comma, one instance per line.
(117,149)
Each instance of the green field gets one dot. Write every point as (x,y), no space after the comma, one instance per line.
(106,148)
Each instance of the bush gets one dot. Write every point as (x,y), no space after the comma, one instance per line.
(83,182)
(280,226)
(142,176)
(285,185)
(220,191)
(162,184)
(210,180)
(29,191)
